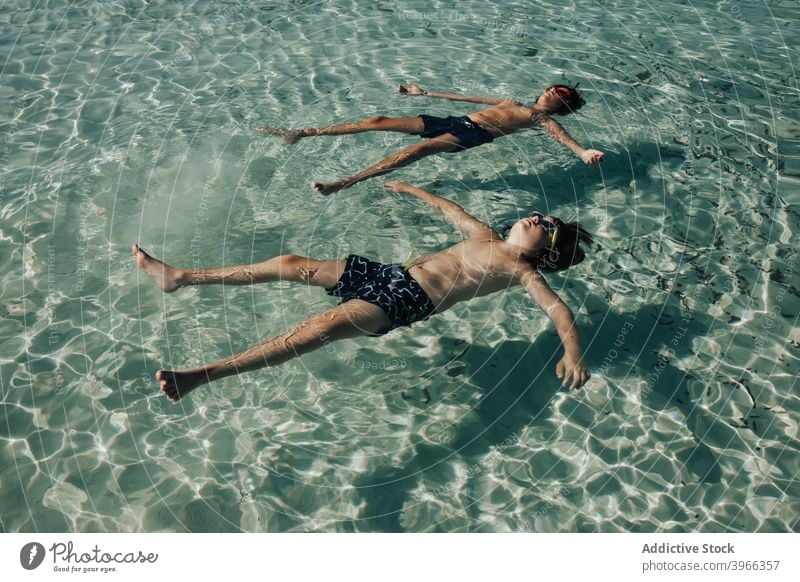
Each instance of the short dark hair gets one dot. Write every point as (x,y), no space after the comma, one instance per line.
(571,102)
(568,251)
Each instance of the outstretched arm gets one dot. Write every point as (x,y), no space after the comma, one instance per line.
(570,369)
(558,133)
(452,212)
(414,90)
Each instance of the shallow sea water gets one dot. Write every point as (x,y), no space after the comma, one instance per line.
(133,121)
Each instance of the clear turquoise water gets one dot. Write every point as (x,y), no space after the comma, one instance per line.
(131,121)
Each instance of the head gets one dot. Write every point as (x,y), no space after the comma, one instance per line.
(560,99)
(548,243)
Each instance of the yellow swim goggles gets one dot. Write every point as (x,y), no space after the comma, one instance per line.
(550,227)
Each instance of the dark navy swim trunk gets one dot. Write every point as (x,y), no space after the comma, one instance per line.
(469,133)
(390,287)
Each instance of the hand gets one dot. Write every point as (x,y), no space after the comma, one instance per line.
(412,89)
(570,369)
(396,186)
(592,157)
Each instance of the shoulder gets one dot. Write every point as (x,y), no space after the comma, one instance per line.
(484,234)
(528,275)
(539,117)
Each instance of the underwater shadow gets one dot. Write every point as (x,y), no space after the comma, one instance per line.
(633,350)
(559,186)
(514,396)
(519,396)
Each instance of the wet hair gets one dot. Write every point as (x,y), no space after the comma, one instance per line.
(572,102)
(568,251)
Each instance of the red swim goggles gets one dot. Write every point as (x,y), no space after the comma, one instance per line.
(561,90)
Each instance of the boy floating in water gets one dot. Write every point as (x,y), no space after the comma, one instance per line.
(453,134)
(377,298)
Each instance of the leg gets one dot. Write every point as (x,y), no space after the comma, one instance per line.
(283,268)
(411,125)
(406,156)
(352,319)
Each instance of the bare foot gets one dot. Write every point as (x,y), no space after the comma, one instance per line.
(167,278)
(326,189)
(176,385)
(289,135)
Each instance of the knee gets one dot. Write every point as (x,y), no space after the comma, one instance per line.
(291,260)
(291,264)
(375,121)
(298,268)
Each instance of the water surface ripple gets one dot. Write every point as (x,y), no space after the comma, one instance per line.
(134,121)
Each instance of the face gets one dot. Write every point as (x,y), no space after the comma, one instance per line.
(551,98)
(534,233)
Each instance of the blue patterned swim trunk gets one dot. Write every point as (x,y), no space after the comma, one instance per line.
(390,287)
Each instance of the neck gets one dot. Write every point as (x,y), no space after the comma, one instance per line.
(524,253)
(533,256)
(542,109)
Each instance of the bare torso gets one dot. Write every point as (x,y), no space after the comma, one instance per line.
(472,268)
(506,117)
